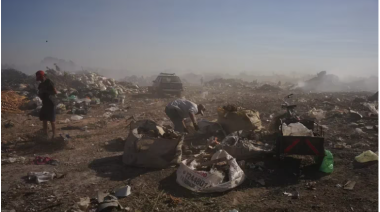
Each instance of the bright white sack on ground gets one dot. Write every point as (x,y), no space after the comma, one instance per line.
(207,182)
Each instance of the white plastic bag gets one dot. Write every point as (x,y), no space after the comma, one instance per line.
(371,107)
(208,182)
(76,118)
(37,101)
(296,129)
(64,121)
(112,109)
(318,114)
(107,114)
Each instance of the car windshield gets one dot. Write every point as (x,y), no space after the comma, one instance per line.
(170,79)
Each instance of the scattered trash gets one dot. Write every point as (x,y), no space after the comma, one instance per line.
(64,121)
(107,114)
(174,200)
(210,181)
(355,116)
(349,185)
(367,156)
(327,165)
(9,124)
(294,195)
(353,124)
(108,202)
(318,114)
(112,109)
(233,210)
(239,120)
(13,160)
(45,160)
(100,196)
(359,145)
(76,118)
(41,177)
(241,148)
(359,131)
(371,107)
(123,191)
(144,147)
(311,185)
(65,137)
(83,203)
(302,100)
(85,128)
(296,129)
(342,145)
(338,185)
(60,108)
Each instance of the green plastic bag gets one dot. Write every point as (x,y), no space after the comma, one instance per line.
(327,165)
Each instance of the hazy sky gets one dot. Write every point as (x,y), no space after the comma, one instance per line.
(340,36)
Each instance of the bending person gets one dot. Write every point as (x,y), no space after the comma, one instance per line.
(180,109)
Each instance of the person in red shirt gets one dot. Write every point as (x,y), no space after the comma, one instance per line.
(46,92)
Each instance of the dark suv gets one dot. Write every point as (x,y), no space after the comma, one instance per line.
(167,84)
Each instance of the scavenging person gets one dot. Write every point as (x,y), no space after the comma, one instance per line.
(180,109)
(46,92)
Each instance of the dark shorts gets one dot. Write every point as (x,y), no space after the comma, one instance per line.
(47,112)
(175,118)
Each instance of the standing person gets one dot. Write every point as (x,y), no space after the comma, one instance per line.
(46,92)
(180,109)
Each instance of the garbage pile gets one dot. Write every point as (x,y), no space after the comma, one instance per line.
(244,144)
(12,78)
(73,90)
(219,173)
(233,119)
(11,101)
(151,146)
(89,81)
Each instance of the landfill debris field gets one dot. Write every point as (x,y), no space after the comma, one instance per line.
(116,150)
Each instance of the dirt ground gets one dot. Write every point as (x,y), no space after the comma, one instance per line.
(92,162)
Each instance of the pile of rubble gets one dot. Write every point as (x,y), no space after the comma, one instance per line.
(64,80)
(76,85)
(12,78)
